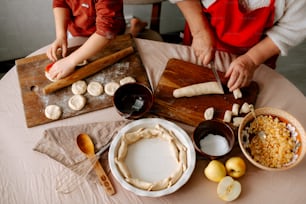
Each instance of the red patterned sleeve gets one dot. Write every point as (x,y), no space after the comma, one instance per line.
(110,19)
(60,3)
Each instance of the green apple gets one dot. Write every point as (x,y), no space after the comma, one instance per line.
(215,171)
(235,167)
(228,189)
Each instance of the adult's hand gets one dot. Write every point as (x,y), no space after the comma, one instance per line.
(240,72)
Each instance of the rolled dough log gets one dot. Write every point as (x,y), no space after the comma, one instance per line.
(198,89)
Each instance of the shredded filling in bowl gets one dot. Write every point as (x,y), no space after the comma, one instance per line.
(271,141)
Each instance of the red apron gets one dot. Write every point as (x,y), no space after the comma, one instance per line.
(236,30)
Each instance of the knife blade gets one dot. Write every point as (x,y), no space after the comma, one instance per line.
(213,68)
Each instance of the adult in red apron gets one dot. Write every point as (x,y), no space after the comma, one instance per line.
(236,29)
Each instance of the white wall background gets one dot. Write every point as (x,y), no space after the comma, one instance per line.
(27,25)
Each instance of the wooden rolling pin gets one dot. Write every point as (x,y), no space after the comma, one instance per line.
(88,70)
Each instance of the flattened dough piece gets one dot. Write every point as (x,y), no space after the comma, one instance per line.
(111,87)
(77,102)
(79,87)
(126,80)
(49,77)
(198,89)
(53,112)
(95,88)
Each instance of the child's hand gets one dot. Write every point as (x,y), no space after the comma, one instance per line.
(203,45)
(240,72)
(61,68)
(60,43)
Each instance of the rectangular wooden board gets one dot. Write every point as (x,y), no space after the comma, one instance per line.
(32,80)
(190,110)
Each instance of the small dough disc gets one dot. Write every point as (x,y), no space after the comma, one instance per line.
(111,87)
(79,87)
(77,102)
(53,112)
(126,80)
(95,88)
(48,77)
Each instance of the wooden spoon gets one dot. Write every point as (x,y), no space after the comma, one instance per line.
(86,146)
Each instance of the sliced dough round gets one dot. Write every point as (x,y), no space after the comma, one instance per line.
(111,87)
(77,102)
(53,112)
(126,80)
(95,88)
(79,87)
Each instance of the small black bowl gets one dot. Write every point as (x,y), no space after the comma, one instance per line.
(133,100)
(214,127)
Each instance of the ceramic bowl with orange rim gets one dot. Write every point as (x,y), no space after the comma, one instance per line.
(273,141)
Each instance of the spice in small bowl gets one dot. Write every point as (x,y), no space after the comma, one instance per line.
(213,139)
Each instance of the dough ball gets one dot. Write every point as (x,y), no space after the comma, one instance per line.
(126,80)
(111,87)
(77,102)
(53,112)
(95,88)
(79,87)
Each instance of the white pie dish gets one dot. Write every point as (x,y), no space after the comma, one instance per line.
(150,159)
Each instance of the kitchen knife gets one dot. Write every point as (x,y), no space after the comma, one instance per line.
(213,68)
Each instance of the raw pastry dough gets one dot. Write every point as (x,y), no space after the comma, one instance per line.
(140,184)
(237,93)
(245,108)
(198,89)
(48,77)
(126,80)
(53,112)
(209,113)
(79,87)
(227,116)
(178,150)
(237,121)
(77,102)
(235,109)
(95,88)
(111,87)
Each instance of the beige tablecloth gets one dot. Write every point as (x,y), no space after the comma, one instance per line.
(27,176)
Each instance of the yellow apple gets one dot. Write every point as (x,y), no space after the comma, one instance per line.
(235,167)
(228,189)
(215,171)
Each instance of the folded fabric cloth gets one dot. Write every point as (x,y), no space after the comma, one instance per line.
(59,143)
